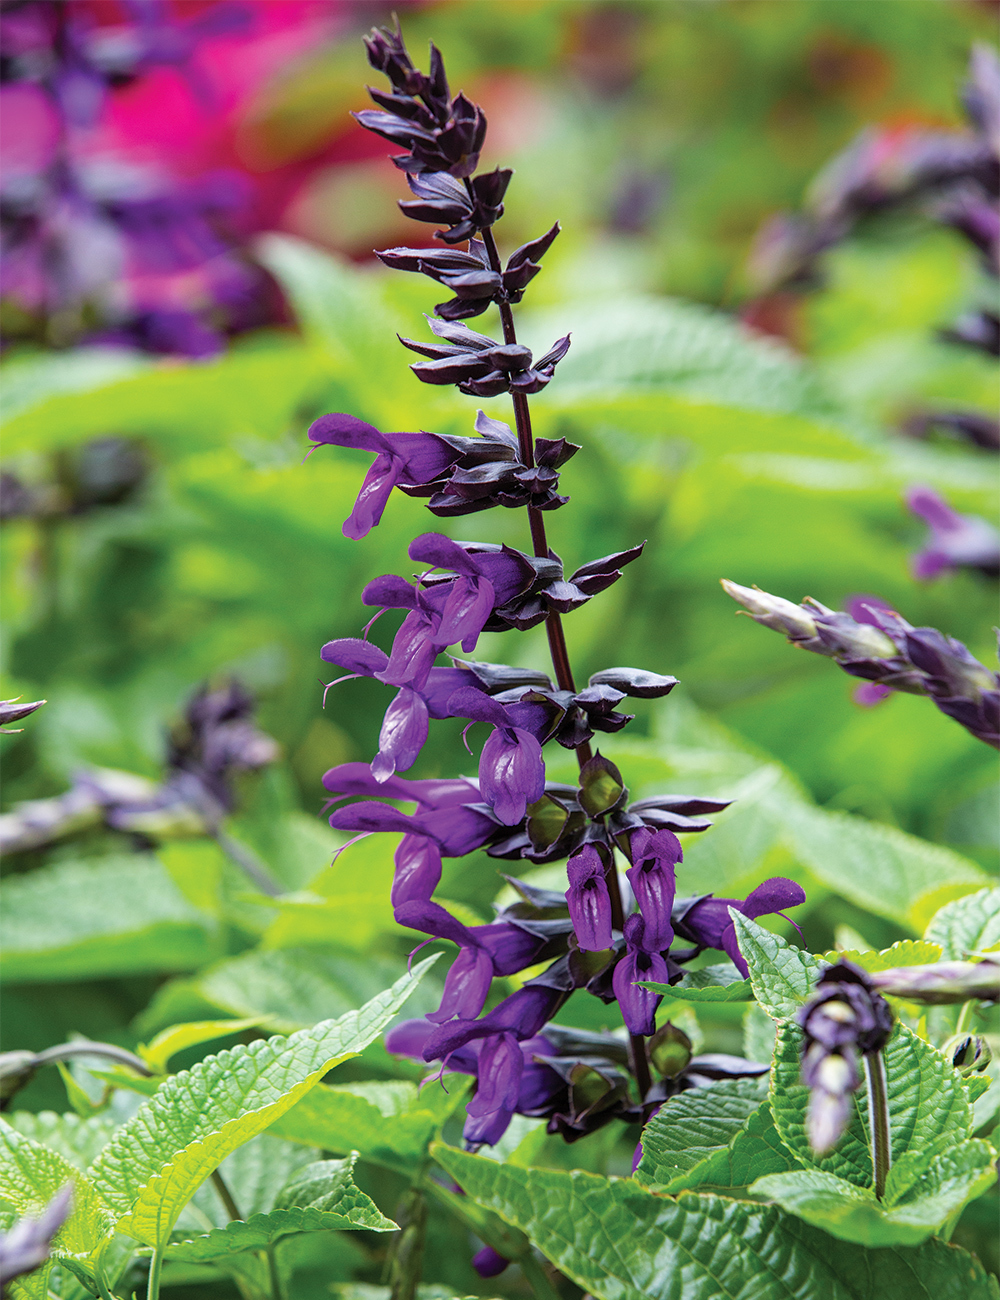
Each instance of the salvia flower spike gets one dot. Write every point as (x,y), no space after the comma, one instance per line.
(582,938)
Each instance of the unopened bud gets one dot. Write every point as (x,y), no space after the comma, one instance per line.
(968,1053)
(773,611)
(601,786)
(670,1051)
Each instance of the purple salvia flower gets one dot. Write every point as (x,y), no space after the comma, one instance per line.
(479,365)
(407,459)
(501,1063)
(511,767)
(588,899)
(706,921)
(638,1005)
(956,541)
(27,1243)
(418,870)
(654,858)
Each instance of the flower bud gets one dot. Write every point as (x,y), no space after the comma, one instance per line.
(601,786)
(773,611)
(968,1053)
(670,1051)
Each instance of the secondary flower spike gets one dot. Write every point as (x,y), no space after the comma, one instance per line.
(889,651)
(845,1018)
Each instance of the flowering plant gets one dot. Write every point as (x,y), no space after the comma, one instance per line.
(832,1158)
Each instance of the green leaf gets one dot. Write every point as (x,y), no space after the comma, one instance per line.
(720,983)
(295,987)
(56,923)
(758,1034)
(969,924)
(321,1197)
(906,952)
(249,390)
(155,1162)
(169,1042)
(851,1213)
(31,1174)
(255,1173)
(619,1242)
(32,380)
(781,976)
(876,866)
(693,1126)
(928,1105)
(77,1140)
(391,1124)
(644,342)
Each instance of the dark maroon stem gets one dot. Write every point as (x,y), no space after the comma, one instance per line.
(557,639)
(526,445)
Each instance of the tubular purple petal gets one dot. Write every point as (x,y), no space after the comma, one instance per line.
(355,655)
(589,900)
(404,730)
(511,773)
(501,1063)
(418,870)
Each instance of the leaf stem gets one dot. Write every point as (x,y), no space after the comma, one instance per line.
(537,1278)
(155,1268)
(965,1016)
(247,861)
(277,1290)
(225,1195)
(408,1249)
(878,1117)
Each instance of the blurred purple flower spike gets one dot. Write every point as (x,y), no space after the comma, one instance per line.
(488,1263)
(956,541)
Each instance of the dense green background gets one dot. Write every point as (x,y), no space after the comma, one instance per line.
(732,455)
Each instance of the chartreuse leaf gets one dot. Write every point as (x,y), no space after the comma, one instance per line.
(56,923)
(692,1141)
(951,1180)
(720,983)
(928,1106)
(77,1140)
(907,952)
(320,1197)
(31,1174)
(155,1162)
(158,1052)
(390,1123)
(620,1242)
(969,924)
(781,976)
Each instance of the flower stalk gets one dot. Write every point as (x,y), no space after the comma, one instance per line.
(878,1119)
(581,939)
